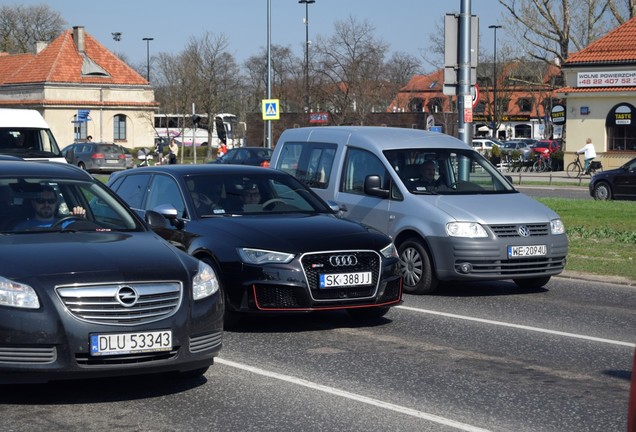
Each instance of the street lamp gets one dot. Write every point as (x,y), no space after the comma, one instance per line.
(494,82)
(306,3)
(147,39)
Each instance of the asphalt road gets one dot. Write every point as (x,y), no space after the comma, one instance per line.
(481,356)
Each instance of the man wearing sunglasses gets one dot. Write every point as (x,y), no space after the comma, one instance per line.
(45,211)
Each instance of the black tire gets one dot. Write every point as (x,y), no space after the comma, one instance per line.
(602,191)
(370,313)
(82,165)
(416,268)
(573,169)
(532,283)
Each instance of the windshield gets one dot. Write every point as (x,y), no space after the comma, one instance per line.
(35,205)
(28,143)
(446,172)
(241,194)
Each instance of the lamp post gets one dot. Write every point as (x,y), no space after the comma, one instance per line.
(147,39)
(306,3)
(494,82)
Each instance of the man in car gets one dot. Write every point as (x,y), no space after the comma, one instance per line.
(45,210)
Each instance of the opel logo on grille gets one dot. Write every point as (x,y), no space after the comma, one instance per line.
(524,231)
(126,296)
(343,260)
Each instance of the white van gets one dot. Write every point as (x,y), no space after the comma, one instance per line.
(466,223)
(24,133)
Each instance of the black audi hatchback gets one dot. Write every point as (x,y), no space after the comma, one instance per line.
(276,245)
(87,289)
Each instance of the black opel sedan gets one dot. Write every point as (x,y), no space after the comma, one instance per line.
(88,290)
(276,245)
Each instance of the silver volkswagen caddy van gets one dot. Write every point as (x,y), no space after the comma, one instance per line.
(451,214)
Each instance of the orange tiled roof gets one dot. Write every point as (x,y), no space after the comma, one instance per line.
(61,62)
(618,46)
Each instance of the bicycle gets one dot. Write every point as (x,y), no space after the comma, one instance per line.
(575,169)
(543,163)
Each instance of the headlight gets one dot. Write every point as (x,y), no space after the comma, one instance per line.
(205,283)
(15,294)
(465,229)
(557,227)
(389,251)
(259,256)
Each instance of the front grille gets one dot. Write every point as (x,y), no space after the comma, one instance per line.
(205,342)
(276,297)
(27,355)
(315,264)
(391,292)
(516,267)
(125,359)
(122,304)
(534,230)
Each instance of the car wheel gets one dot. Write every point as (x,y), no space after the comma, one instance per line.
(532,283)
(82,165)
(416,269)
(602,191)
(368,313)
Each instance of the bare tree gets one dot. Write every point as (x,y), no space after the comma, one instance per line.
(21,27)
(550,30)
(349,67)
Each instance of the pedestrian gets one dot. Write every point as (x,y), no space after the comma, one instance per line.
(222,149)
(590,153)
(89,138)
(174,152)
(159,150)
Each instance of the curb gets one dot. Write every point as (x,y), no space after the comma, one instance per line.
(619,280)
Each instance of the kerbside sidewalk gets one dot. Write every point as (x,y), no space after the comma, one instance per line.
(549,178)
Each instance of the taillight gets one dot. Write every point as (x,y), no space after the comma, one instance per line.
(122,156)
(98,156)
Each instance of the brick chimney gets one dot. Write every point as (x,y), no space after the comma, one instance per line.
(78,38)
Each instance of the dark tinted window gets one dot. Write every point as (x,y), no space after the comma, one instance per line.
(132,189)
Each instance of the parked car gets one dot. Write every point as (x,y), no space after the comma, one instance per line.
(472,224)
(485,144)
(97,295)
(546,146)
(130,160)
(619,183)
(276,245)
(24,133)
(509,147)
(95,157)
(257,156)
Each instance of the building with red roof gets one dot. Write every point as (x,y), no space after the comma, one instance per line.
(75,72)
(600,89)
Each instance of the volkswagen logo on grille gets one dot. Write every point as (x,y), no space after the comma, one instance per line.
(343,260)
(524,231)
(126,296)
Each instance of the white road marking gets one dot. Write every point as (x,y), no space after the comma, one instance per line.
(352,396)
(523,327)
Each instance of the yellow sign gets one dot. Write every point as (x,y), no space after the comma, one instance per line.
(271,109)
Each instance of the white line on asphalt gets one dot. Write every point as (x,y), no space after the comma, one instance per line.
(352,396)
(504,324)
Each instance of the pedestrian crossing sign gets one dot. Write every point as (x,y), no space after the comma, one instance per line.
(270,108)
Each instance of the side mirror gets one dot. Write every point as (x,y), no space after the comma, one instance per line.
(373,186)
(169,212)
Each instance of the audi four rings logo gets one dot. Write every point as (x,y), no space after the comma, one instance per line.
(126,296)
(343,260)
(524,231)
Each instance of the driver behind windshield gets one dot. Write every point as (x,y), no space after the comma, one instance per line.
(45,211)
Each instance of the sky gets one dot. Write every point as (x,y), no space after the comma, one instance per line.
(406,25)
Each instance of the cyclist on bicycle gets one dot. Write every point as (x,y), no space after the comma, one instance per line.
(590,153)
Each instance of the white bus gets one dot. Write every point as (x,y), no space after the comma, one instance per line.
(225,127)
